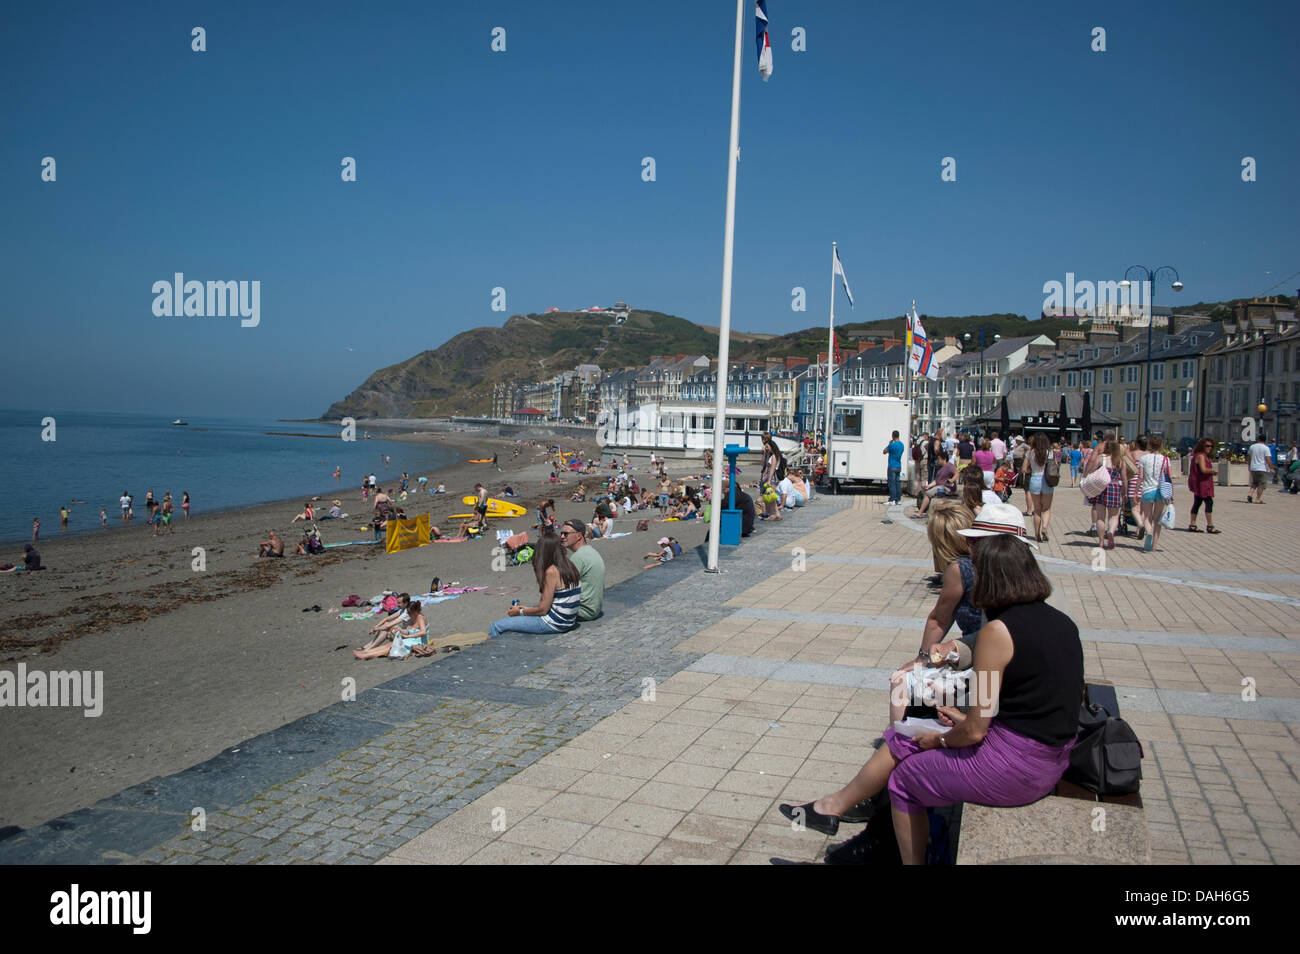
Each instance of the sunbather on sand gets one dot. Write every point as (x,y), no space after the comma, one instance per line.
(402,638)
(382,631)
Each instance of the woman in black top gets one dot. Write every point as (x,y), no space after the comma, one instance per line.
(1022,719)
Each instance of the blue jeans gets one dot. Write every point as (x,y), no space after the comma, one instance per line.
(533,625)
(895,489)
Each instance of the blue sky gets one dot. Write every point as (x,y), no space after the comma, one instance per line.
(523,169)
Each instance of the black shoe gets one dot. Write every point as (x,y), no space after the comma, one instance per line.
(859,814)
(858,850)
(934,579)
(811,818)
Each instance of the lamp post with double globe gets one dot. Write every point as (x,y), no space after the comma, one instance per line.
(1152,278)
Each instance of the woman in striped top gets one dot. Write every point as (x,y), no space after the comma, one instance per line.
(560,586)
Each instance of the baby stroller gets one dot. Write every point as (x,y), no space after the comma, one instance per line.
(516,546)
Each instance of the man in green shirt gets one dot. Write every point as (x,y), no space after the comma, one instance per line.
(591,568)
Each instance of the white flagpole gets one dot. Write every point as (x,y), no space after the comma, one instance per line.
(830,358)
(724,325)
(910,377)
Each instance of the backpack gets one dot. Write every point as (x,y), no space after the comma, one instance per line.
(780,468)
(1052,471)
(1107,758)
(677,548)
(916,453)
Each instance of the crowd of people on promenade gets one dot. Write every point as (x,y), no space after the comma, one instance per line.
(1125,482)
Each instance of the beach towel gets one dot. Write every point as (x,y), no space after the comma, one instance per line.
(424,599)
(613,536)
(362,614)
(350,543)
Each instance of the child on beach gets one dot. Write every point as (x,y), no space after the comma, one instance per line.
(103,517)
(185,503)
(668,550)
(36,529)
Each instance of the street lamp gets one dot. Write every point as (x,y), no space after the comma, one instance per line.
(1152,279)
(966,337)
(1262,407)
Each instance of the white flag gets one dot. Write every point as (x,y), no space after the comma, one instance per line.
(839,270)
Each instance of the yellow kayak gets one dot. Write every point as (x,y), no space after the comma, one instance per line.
(497,508)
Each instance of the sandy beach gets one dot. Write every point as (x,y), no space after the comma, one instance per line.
(194,662)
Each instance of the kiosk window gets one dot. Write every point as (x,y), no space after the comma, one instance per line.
(848,422)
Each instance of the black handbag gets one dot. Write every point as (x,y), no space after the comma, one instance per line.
(1107,758)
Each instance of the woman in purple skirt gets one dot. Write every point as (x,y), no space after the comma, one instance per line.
(1013,745)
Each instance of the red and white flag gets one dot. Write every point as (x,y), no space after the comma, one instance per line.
(921,360)
(764,42)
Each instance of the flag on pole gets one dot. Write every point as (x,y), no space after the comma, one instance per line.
(764,42)
(921,359)
(839,270)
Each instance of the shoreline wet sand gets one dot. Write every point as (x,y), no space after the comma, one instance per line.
(196,662)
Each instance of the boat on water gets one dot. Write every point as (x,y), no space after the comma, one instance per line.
(179,423)
(685,428)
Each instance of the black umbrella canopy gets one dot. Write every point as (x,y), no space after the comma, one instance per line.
(1086,422)
(1064,419)
(1006,418)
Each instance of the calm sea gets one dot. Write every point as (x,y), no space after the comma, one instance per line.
(222,462)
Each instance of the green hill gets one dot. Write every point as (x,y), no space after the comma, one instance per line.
(458,376)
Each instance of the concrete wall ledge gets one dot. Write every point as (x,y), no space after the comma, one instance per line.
(1054,830)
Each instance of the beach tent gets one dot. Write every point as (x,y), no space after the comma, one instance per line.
(405,534)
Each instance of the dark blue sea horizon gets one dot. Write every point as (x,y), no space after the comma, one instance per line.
(222,462)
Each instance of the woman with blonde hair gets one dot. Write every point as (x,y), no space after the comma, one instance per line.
(1153,467)
(1106,506)
(946,544)
(952,559)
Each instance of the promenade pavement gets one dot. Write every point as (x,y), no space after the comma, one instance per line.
(786,692)
(669,731)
